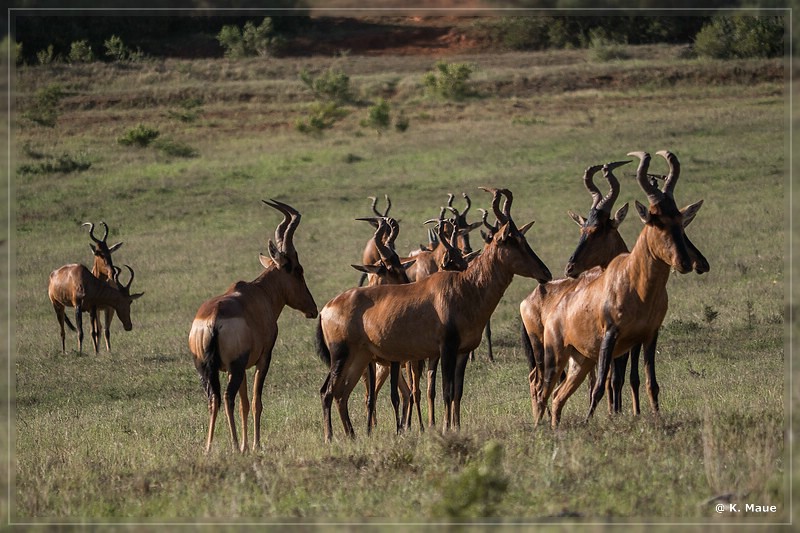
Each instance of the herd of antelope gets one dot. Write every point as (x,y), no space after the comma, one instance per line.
(434,306)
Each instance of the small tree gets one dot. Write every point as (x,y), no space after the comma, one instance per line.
(741,36)
(251,40)
(81,52)
(378,117)
(333,85)
(450,80)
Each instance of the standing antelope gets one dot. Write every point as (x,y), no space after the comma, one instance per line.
(370,255)
(599,243)
(441,316)
(75,286)
(238,329)
(103,269)
(610,311)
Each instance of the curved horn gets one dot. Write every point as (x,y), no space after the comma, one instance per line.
(388,205)
(285,230)
(128,286)
(374,203)
(394,231)
(653,194)
(495,203)
(485,214)
(91,232)
(588,182)
(381,241)
(608,200)
(674,171)
(469,204)
(507,203)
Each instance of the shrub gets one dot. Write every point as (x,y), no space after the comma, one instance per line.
(401,122)
(450,80)
(175,148)
(515,33)
(378,117)
(604,47)
(80,52)
(64,163)
(44,109)
(741,36)
(45,57)
(251,40)
(119,51)
(478,489)
(322,116)
(141,135)
(333,85)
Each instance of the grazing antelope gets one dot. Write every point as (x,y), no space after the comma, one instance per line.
(610,311)
(370,256)
(599,243)
(238,329)
(103,269)
(441,316)
(75,286)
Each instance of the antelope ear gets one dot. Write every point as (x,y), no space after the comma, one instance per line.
(277,256)
(524,229)
(644,212)
(115,247)
(619,216)
(367,269)
(579,220)
(408,263)
(92,248)
(137,295)
(504,232)
(690,211)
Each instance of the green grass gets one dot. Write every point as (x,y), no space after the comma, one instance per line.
(120,436)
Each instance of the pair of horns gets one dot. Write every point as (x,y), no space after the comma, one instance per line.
(285,230)
(387,231)
(503,216)
(118,271)
(654,195)
(441,231)
(375,202)
(600,202)
(91,232)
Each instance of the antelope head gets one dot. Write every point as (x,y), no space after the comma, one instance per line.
(670,245)
(282,254)
(389,269)
(510,241)
(600,240)
(453,258)
(462,227)
(102,251)
(124,310)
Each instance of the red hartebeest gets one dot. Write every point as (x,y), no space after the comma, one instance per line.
(441,316)
(600,242)
(370,255)
(75,286)
(610,311)
(103,269)
(238,329)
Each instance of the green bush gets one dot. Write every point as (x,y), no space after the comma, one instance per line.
(44,109)
(515,33)
(378,117)
(741,36)
(450,80)
(141,135)
(333,85)
(119,51)
(322,116)
(174,148)
(64,163)
(251,40)
(47,56)
(606,47)
(81,52)
(478,490)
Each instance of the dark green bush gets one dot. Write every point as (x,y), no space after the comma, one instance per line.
(64,163)
(44,109)
(141,135)
(81,52)
(741,36)
(322,116)
(333,85)
(250,40)
(174,148)
(450,80)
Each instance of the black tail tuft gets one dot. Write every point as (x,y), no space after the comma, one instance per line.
(69,324)
(209,367)
(526,345)
(322,348)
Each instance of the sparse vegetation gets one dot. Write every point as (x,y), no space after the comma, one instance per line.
(333,85)
(450,80)
(63,164)
(250,40)
(140,135)
(741,36)
(81,52)
(44,109)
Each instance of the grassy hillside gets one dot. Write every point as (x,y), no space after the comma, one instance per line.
(119,436)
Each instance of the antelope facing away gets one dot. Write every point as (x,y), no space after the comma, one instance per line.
(441,316)
(75,286)
(370,255)
(610,311)
(103,269)
(238,329)
(599,243)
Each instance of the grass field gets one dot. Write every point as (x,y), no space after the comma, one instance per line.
(118,437)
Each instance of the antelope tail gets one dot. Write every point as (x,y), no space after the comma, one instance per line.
(526,345)
(322,348)
(69,324)
(209,367)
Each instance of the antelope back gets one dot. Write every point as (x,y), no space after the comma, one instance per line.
(664,223)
